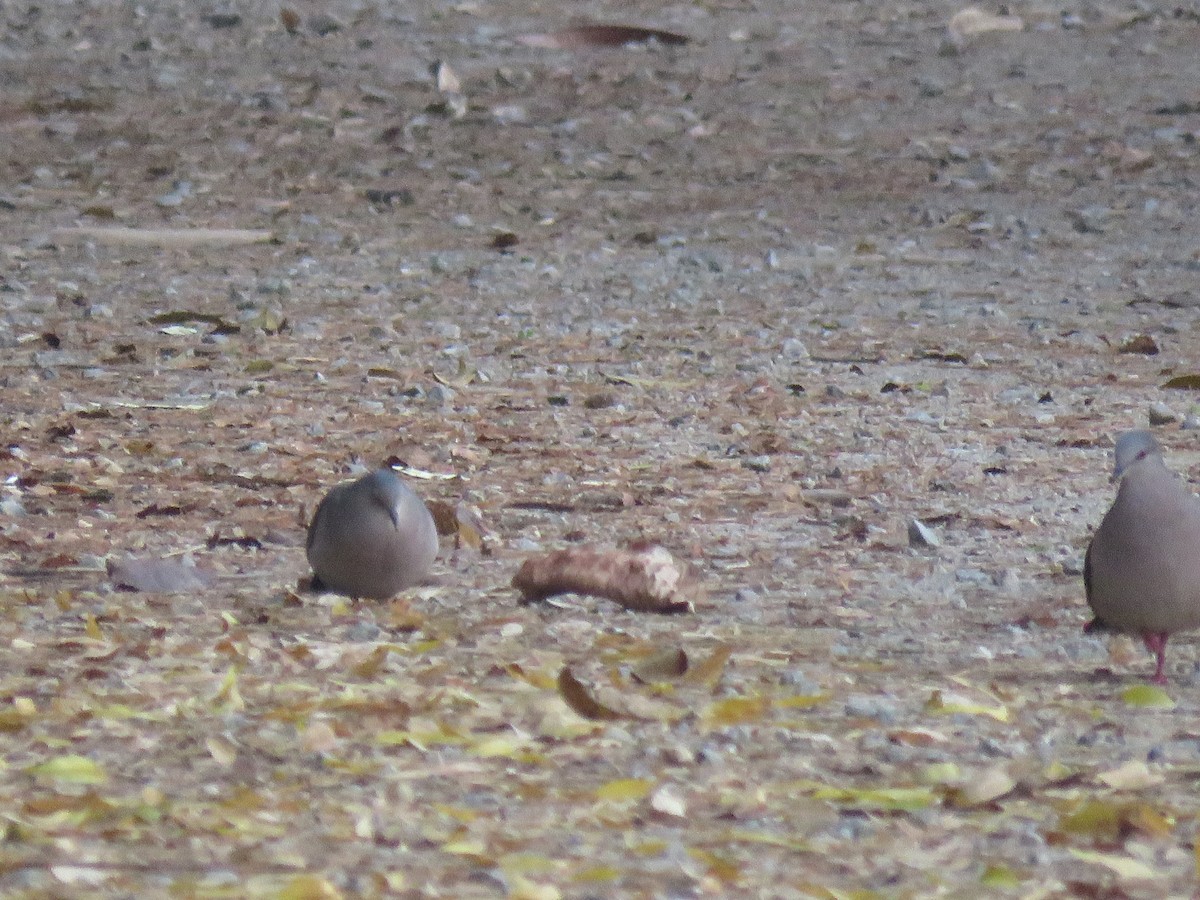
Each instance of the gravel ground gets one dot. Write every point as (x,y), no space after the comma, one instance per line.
(765,298)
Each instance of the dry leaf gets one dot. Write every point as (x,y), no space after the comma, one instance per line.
(166,237)
(221,749)
(174,575)
(447,80)
(666,801)
(1184,382)
(71,769)
(949,704)
(1133,775)
(582,36)
(972,21)
(984,787)
(1125,867)
(319,737)
(1140,343)
(709,670)
(1149,696)
(644,578)
(581,701)
(661,665)
(735,711)
(624,790)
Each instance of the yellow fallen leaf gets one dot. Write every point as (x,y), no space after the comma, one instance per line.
(221,749)
(941,773)
(624,789)
(539,678)
(561,724)
(1099,820)
(949,704)
(1148,820)
(527,863)
(462,814)
(903,799)
(1057,771)
(402,617)
(309,887)
(719,867)
(72,769)
(1106,820)
(522,888)
(21,713)
(708,671)
(1123,866)
(801,701)
(1147,695)
(999,875)
(508,746)
(228,697)
(371,665)
(735,711)
(465,847)
(598,875)
(92,627)
(771,839)
(393,881)
(422,735)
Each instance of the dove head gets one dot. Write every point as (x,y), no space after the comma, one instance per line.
(1132,447)
(385,484)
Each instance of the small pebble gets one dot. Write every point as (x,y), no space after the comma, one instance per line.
(11,506)
(868,706)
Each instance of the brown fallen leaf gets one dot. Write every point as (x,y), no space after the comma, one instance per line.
(708,671)
(662,665)
(1140,343)
(1184,383)
(580,699)
(644,578)
(582,36)
(444,518)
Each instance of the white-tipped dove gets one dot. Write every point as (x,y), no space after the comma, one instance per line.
(371,538)
(1142,569)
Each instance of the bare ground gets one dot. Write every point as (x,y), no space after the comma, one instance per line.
(764,298)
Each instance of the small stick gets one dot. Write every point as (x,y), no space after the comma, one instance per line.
(166,237)
(643,577)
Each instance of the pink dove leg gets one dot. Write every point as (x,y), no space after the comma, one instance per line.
(1156,643)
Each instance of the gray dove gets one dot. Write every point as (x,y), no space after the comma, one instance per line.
(371,538)
(1142,569)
